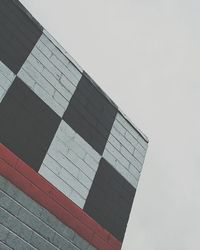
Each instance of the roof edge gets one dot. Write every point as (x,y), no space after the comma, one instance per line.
(115,105)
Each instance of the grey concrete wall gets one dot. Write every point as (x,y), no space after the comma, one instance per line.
(25,225)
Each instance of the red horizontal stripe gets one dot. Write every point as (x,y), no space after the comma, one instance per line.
(43,192)
(102,244)
(95,227)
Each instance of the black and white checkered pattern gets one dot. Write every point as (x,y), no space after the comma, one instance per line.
(55,118)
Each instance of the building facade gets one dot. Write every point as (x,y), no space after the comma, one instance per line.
(70,160)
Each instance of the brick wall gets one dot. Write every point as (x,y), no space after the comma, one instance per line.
(125,150)
(50,74)
(6,79)
(57,120)
(24,224)
(46,195)
(70,164)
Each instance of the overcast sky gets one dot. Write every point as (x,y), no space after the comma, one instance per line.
(145,54)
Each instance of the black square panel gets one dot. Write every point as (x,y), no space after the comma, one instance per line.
(18,34)
(110,200)
(27,124)
(91,114)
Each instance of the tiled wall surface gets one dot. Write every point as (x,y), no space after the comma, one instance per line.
(57,120)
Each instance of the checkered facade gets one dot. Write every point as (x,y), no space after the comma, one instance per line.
(56,119)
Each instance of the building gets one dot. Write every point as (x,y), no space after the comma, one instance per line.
(70,160)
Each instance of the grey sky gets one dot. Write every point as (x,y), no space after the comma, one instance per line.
(146,56)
